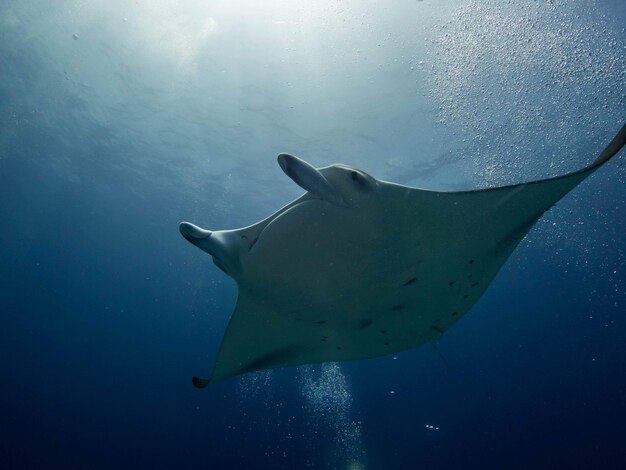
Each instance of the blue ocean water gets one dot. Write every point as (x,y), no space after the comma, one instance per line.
(119,120)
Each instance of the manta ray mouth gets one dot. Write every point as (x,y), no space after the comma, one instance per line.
(272,223)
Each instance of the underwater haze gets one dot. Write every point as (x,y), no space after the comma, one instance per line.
(120,119)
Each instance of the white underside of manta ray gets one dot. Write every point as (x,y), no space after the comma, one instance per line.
(358,268)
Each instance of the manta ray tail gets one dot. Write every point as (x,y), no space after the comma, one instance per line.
(200,383)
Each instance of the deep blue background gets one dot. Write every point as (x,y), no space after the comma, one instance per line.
(106,312)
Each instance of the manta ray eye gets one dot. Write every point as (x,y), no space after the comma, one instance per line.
(361,181)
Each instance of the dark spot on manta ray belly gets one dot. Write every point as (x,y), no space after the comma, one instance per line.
(410,281)
(268,360)
(321,322)
(398,307)
(437,329)
(365,322)
(474,284)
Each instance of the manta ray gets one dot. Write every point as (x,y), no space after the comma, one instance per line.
(358,267)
